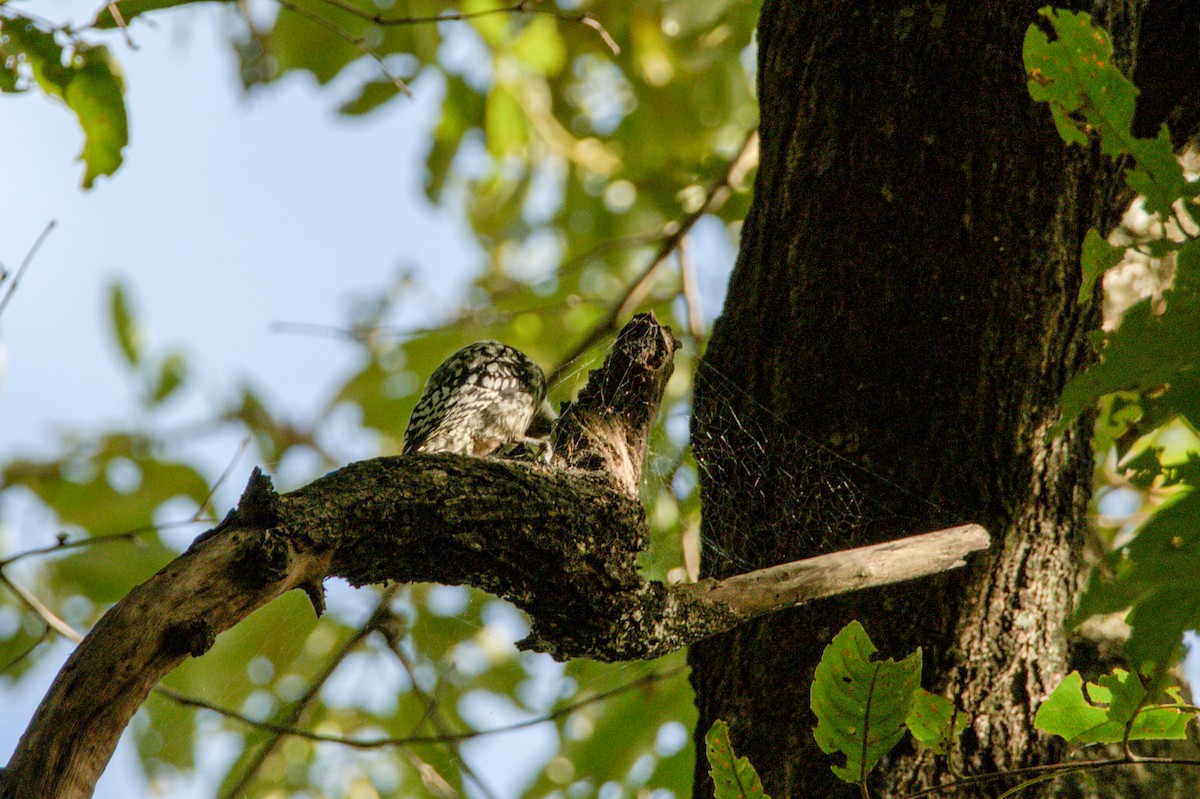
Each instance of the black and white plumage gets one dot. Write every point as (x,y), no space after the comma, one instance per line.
(480,399)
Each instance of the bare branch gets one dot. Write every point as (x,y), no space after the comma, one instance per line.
(791,584)
(691,295)
(413,740)
(224,476)
(63,544)
(16,278)
(48,616)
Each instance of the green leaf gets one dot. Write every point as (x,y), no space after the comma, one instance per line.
(171,374)
(1089,95)
(1098,257)
(1155,575)
(272,437)
(384,396)
(165,734)
(10,76)
(505,122)
(40,49)
(1152,353)
(861,704)
(1157,175)
(88,81)
(125,326)
(934,721)
(371,95)
(540,46)
(97,96)
(733,776)
(1066,713)
(1103,715)
(462,110)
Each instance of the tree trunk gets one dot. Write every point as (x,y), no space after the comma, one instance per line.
(899,325)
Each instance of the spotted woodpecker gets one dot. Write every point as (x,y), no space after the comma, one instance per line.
(481,399)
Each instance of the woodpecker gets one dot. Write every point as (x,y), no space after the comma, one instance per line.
(480,399)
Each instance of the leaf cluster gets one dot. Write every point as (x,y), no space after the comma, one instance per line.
(865,705)
(1145,377)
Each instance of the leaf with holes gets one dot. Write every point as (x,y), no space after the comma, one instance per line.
(861,704)
(1088,95)
(934,721)
(733,776)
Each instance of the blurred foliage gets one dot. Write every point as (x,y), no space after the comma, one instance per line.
(574,139)
(83,76)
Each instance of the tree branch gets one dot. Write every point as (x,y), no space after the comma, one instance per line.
(561,542)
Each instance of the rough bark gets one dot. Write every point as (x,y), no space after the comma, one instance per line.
(904,298)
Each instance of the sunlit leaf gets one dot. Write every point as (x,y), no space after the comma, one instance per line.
(1088,94)
(125,326)
(97,96)
(1102,716)
(934,721)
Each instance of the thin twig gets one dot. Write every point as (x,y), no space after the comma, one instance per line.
(433,715)
(314,329)
(12,287)
(48,616)
(524,7)
(298,707)
(691,296)
(62,544)
(636,291)
(345,35)
(225,474)
(410,740)
(120,20)
(1050,768)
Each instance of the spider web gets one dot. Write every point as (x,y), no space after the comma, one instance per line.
(783,495)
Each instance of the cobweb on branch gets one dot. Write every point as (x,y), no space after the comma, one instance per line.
(782,495)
